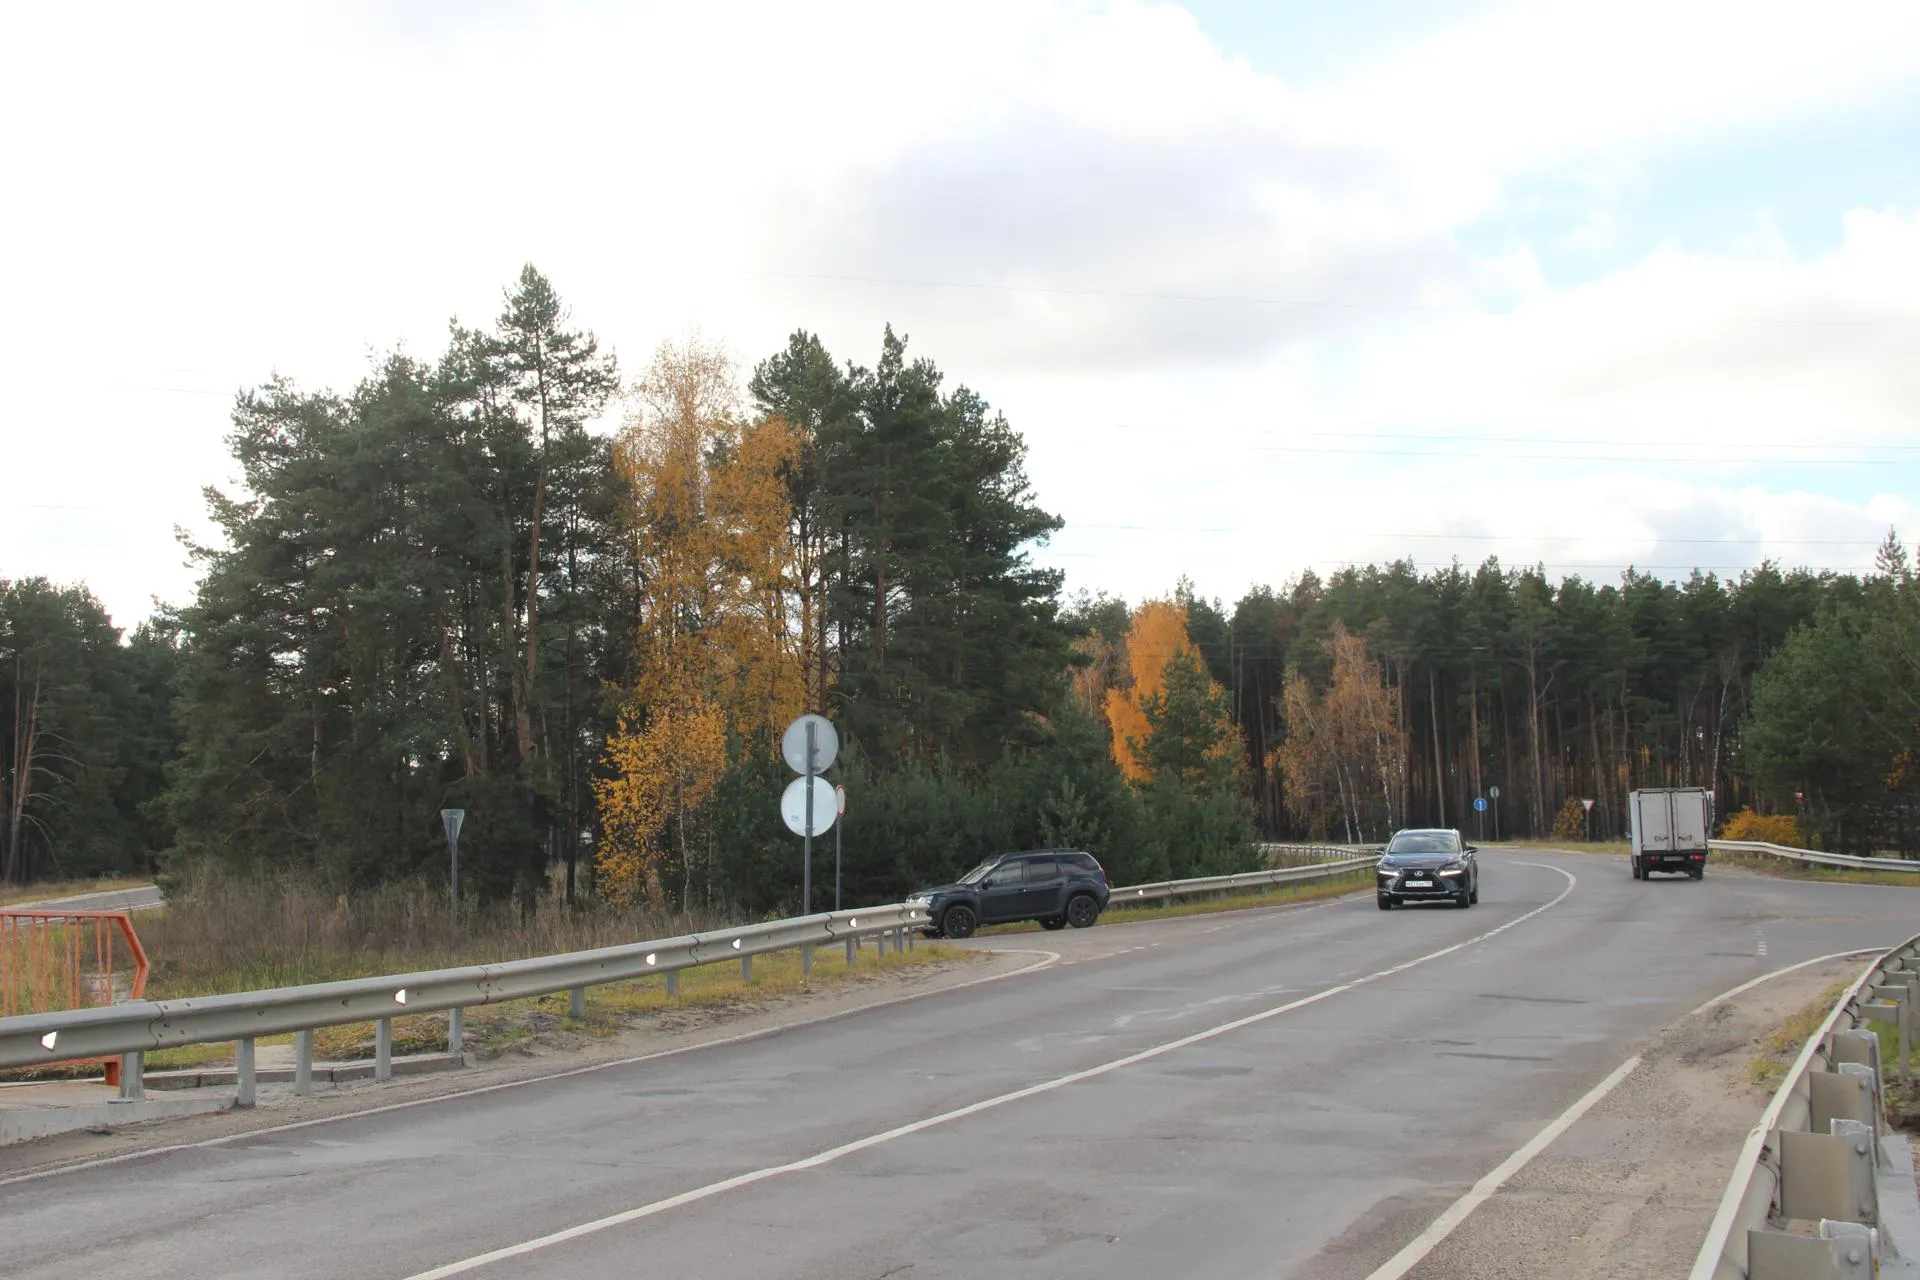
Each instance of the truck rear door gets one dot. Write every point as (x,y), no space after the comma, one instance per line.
(1689,826)
(1655,816)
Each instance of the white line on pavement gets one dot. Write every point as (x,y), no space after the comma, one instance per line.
(1482,1191)
(832,1154)
(1424,1243)
(1049,958)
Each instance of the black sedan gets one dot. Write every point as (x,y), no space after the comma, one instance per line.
(1433,865)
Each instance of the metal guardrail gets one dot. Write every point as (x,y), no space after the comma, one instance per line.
(134,1028)
(1138,893)
(129,1030)
(1814,857)
(1816,1160)
(1319,852)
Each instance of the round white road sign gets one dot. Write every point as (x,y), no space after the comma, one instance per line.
(793,805)
(793,744)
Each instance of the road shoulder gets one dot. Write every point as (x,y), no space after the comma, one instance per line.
(1630,1189)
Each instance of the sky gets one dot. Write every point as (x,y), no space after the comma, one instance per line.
(1267,287)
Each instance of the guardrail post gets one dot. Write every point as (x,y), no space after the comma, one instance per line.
(910,933)
(456,1031)
(302,1063)
(578,1010)
(673,984)
(852,943)
(1843,1255)
(1828,1175)
(243,1073)
(806,963)
(1900,996)
(1845,1094)
(746,968)
(133,1083)
(383,1050)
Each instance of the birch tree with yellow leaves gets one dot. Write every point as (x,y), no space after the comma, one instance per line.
(718,662)
(1344,746)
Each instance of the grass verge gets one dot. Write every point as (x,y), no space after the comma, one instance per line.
(708,995)
(1777,1050)
(1782,869)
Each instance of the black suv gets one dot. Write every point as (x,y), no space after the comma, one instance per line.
(1057,887)
(1427,866)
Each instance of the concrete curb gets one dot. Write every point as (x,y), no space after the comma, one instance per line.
(45,1122)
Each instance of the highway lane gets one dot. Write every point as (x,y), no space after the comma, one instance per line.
(143,898)
(1311,1141)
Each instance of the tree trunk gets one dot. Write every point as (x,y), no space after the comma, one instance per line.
(1439,766)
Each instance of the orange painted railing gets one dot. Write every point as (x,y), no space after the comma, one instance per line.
(53,960)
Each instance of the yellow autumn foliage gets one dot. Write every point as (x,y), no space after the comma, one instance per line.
(718,653)
(1157,631)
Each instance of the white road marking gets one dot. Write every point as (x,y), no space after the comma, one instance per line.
(1050,958)
(1749,985)
(1424,1243)
(832,1154)
(1482,1191)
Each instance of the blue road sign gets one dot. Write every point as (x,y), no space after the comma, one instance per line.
(1479,804)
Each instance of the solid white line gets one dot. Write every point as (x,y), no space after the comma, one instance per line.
(1770,976)
(987,1104)
(1443,1226)
(1050,958)
(1424,1243)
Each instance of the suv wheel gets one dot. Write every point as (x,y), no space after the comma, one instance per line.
(1054,922)
(1386,903)
(1082,910)
(958,922)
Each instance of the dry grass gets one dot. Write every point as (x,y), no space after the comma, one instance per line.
(217,935)
(1783,869)
(708,993)
(1783,1045)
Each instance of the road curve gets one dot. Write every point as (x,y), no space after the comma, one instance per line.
(1296,1092)
(144,898)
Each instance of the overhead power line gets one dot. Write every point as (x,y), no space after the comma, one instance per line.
(1251,300)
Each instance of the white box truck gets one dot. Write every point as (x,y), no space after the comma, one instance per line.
(1669,830)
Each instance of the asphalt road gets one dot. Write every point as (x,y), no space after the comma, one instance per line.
(144,898)
(1287,1093)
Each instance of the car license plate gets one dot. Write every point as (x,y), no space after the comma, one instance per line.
(1419,884)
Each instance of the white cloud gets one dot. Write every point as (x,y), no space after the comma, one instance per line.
(211,194)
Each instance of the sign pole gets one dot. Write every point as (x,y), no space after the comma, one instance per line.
(806,874)
(842,806)
(450,820)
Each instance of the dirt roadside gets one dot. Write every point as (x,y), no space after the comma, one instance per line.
(670,1030)
(1629,1190)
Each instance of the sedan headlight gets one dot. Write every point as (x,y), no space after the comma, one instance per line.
(1388,872)
(1454,869)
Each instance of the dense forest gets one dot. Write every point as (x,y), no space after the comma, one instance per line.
(451,587)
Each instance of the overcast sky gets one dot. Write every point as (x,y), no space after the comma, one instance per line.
(1265,289)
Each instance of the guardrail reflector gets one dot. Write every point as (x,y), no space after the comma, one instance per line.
(47,1040)
(736,944)
(400,996)
(652,958)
